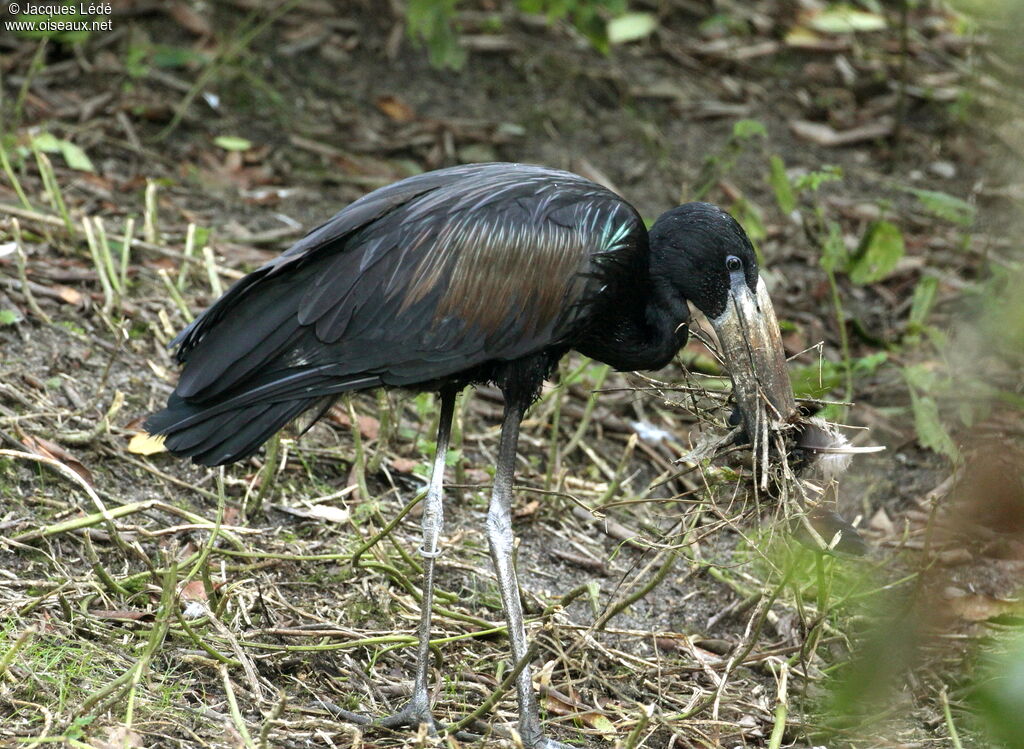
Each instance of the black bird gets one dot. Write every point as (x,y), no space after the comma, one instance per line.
(473,274)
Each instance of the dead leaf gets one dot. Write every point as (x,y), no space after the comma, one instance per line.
(403,465)
(193,590)
(318,512)
(329,513)
(119,737)
(231,515)
(189,19)
(880,522)
(395,108)
(599,722)
(560,704)
(670,645)
(143,443)
(977,607)
(48,449)
(954,557)
(527,510)
(824,135)
(369,427)
(233,161)
(160,263)
(67,294)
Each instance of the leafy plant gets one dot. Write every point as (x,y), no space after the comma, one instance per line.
(816,380)
(931,432)
(73,155)
(588,18)
(779,181)
(945,206)
(998,697)
(433,23)
(720,164)
(879,252)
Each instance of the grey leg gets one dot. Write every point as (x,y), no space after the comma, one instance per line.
(501,538)
(417,710)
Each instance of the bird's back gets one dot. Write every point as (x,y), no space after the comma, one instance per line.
(441,277)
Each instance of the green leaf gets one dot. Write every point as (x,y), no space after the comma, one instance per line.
(780,184)
(816,380)
(77,728)
(433,22)
(135,64)
(867,365)
(168,56)
(920,377)
(840,18)
(931,432)
(46,142)
(746,129)
(924,300)
(814,180)
(232,143)
(631,27)
(878,253)
(202,236)
(751,218)
(833,251)
(945,206)
(9,317)
(75,157)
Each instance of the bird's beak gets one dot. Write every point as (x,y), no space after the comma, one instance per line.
(748,333)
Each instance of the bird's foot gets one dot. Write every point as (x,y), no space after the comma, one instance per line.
(415,713)
(535,739)
(545,743)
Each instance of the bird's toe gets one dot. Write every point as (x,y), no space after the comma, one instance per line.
(415,713)
(545,743)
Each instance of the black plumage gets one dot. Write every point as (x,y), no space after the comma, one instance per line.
(477,273)
(450,275)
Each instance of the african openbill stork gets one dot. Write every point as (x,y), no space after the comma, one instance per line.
(472,274)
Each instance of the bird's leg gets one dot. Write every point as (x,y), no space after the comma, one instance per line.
(501,538)
(417,710)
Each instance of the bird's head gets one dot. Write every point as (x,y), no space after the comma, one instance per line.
(704,254)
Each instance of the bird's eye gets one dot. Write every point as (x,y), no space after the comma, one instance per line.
(733,263)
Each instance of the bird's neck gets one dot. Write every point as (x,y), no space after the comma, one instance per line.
(642,331)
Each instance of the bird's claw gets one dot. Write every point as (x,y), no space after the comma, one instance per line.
(412,716)
(415,713)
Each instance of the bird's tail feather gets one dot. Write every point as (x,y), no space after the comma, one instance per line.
(213,436)
(231,428)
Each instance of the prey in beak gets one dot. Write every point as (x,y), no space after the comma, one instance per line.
(750,341)
(748,333)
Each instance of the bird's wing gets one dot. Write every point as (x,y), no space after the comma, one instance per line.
(417,282)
